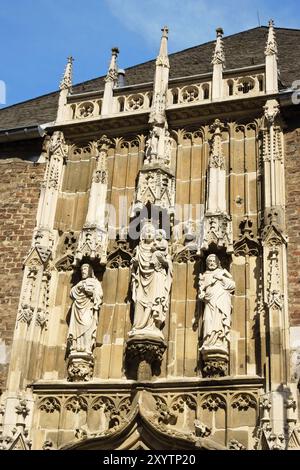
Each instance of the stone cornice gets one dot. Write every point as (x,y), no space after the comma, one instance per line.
(179,384)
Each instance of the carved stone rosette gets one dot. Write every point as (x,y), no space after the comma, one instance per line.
(143,357)
(80,367)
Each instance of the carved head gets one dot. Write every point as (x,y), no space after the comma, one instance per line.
(212,262)
(148,233)
(87,271)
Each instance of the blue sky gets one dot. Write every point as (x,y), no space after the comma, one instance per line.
(36,36)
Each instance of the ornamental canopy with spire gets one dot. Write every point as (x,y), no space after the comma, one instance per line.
(271,47)
(112,74)
(219,54)
(66,83)
(161,81)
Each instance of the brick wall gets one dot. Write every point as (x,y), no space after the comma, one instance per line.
(19,194)
(292,174)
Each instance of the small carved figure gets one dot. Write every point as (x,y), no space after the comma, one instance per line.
(87,298)
(151,283)
(215,288)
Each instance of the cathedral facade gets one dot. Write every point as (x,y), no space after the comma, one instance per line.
(150,245)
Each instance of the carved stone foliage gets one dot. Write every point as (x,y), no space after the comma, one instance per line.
(42,252)
(235,445)
(216,159)
(94,414)
(193,417)
(25,314)
(273,241)
(272,232)
(269,440)
(213,402)
(50,405)
(243,402)
(203,414)
(291,406)
(143,358)
(22,410)
(215,368)
(80,367)
(181,401)
(247,243)
(275,151)
(156,187)
(76,404)
(48,445)
(16,440)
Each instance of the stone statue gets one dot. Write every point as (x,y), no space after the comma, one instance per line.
(215,289)
(152,275)
(87,298)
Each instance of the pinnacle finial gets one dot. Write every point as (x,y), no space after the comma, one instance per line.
(112,74)
(162,58)
(115,51)
(219,55)
(220,32)
(66,82)
(165,31)
(271,48)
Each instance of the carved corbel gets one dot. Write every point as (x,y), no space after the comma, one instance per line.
(143,358)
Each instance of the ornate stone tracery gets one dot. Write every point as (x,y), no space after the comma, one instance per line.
(128,368)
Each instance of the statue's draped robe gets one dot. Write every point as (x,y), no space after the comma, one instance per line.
(217,310)
(150,291)
(87,299)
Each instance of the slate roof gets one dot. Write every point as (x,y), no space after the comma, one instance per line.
(242,49)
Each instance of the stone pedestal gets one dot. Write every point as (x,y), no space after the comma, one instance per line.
(80,367)
(143,357)
(215,362)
